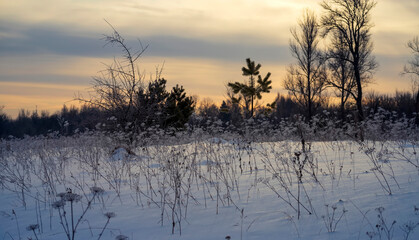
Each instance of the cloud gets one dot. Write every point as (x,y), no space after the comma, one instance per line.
(172,46)
(220,30)
(204,43)
(46,40)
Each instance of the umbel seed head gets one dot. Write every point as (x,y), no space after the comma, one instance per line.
(121,237)
(97,190)
(110,214)
(32,227)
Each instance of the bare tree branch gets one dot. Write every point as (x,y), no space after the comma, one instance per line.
(305,80)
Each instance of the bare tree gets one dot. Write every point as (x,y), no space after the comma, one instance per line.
(351,18)
(412,68)
(305,80)
(208,109)
(413,65)
(341,72)
(114,90)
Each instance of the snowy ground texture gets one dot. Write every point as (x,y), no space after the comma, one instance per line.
(208,188)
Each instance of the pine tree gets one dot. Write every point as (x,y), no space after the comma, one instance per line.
(179,108)
(251,90)
(151,103)
(224,113)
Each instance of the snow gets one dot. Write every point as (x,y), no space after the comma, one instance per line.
(215,188)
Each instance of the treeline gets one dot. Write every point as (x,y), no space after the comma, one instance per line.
(67,121)
(124,101)
(71,120)
(284,107)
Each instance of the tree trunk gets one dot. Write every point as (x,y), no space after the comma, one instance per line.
(342,107)
(417,108)
(251,112)
(359,100)
(310,113)
(359,97)
(342,97)
(252,82)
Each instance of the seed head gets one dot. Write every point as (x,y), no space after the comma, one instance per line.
(32,227)
(72,197)
(58,204)
(61,194)
(97,190)
(380,209)
(121,237)
(110,215)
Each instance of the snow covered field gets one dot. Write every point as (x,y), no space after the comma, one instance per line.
(208,188)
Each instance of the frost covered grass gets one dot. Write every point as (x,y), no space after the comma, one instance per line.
(295,182)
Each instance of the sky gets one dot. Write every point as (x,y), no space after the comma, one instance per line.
(51,49)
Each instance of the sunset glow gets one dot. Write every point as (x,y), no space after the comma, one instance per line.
(49,50)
